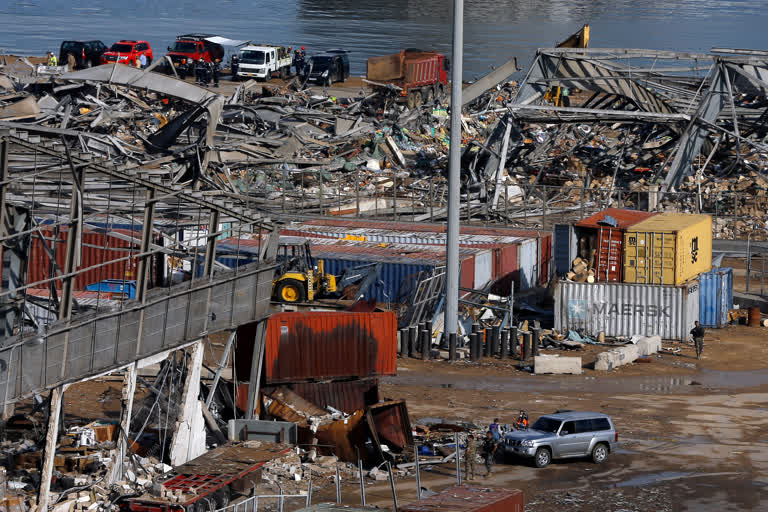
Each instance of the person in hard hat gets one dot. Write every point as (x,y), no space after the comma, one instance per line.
(52,60)
(216,68)
(298,61)
(200,72)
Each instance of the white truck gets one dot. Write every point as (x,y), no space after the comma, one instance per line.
(264,62)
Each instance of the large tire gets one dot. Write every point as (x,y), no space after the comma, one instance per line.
(430,96)
(290,291)
(441,92)
(328,81)
(282,73)
(599,453)
(542,458)
(419,99)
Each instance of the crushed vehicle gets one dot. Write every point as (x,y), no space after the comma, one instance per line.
(127,52)
(86,53)
(562,435)
(263,62)
(419,76)
(326,68)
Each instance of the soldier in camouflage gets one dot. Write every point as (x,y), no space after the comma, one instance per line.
(469,458)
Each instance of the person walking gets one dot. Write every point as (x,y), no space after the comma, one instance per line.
(216,72)
(489,452)
(698,338)
(470,454)
(495,429)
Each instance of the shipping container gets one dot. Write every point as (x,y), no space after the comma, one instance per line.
(528,258)
(97,248)
(321,345)
(470,498)
(715,297)
(621,309)
(413,229)
(602,234)
(669,248)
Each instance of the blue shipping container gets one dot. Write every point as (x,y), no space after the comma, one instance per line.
(394,279)
(715,297)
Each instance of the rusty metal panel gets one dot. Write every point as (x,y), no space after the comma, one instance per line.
(347,396)
(96,248)
(391,424)
(624,218)
(307,346)
(470,498)
(388,67)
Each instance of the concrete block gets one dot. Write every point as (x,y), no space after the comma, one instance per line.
(616,357)
(648,345)
(556,364)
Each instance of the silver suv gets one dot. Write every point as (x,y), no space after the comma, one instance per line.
(563,435)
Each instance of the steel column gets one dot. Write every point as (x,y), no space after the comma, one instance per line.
(454,172)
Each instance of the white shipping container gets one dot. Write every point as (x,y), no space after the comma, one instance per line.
(623,309)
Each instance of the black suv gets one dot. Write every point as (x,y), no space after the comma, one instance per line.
(87,53)
(327,68)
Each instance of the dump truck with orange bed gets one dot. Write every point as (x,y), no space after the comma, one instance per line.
(209,482)
(418,76)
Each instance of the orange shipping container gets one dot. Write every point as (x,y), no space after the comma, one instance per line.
(321,345)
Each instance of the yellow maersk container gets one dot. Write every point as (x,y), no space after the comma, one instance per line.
(669,248)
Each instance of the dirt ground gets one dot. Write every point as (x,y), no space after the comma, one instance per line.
(693,433)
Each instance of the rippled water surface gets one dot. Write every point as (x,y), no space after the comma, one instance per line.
(494,30)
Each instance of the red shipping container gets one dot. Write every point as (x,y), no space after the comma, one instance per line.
(321,345)
(470,498)
(610,239)
(97,248)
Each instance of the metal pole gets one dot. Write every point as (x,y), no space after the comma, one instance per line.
(452,345)
(413,332)
(454,170)
(504,343)
(338,485)
(458,458)
(418,471)
(392,485)
(362,483)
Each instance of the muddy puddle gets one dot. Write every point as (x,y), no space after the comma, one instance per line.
(588,384)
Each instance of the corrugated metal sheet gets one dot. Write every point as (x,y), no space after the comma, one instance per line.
(715,297)
(545,237)
(470,498)
(624,218)
(97,248)
(669,248)
(620,309)
(307,346)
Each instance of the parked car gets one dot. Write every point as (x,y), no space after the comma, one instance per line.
(87,53)
(127,52)
(326,69)
(564,435)
(344,54)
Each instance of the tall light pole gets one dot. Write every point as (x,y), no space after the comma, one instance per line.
(454,171)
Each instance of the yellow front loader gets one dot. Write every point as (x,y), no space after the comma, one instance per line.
(297,280)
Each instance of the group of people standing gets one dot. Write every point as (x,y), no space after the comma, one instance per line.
(204,72)
(489,444)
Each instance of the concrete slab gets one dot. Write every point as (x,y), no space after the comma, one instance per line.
(648,345)
(616,357)
(555,364)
